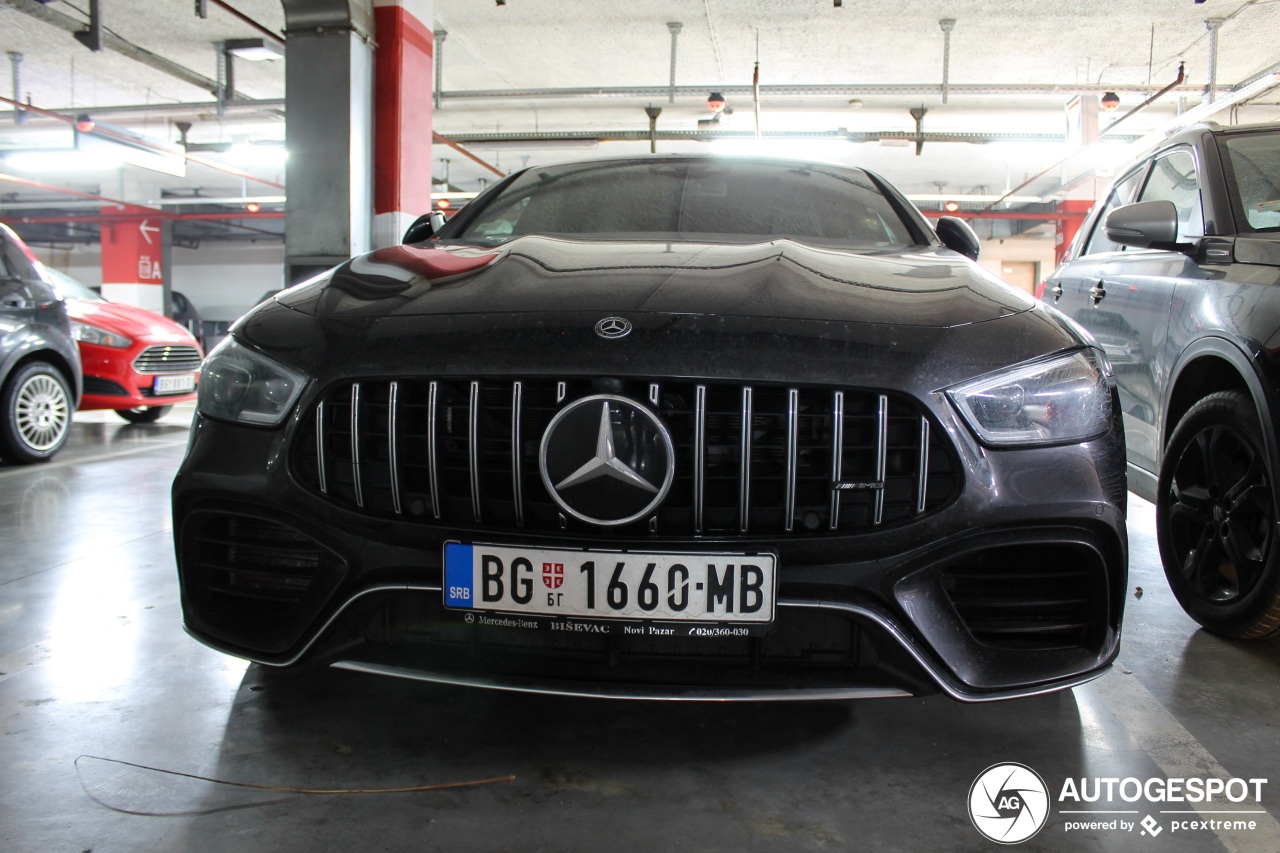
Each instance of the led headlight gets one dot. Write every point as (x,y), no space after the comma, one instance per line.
(1057,401)
(94,335)
(238,384)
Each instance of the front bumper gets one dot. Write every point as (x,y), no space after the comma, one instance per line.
(1015,588)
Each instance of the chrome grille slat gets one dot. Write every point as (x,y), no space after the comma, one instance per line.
(922,468)
(393,445)
(793,426)
(755,460)
(699,455)
(517,475)
(355,443)
(744,466)
(168,359)
(473,447)
(433,464)
(837,455)
(882,455)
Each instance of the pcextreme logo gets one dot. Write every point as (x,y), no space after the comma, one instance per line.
(1009,803)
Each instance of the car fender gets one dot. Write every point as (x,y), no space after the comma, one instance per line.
(1247,366)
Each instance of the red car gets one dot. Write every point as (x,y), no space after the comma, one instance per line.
(135,361)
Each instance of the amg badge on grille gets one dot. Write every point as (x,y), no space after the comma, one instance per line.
(606,460)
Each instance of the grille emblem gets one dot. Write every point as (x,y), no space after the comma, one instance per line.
(613,327)
(606,460)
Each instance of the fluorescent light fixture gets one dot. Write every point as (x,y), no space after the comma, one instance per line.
(257,154)
(254,50)
(66,160)
(832,150)
(133,149)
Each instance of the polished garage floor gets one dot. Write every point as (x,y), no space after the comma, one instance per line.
(95,669)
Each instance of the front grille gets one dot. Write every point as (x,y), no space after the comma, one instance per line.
(168,359)
(749,460)
(251,566)
(1032,598)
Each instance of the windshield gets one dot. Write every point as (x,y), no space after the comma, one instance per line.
(69,288)
(714,200)
(1253,178)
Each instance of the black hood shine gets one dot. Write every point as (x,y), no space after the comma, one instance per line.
(780,279)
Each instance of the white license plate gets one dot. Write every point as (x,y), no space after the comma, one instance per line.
(633,585)
(174,384)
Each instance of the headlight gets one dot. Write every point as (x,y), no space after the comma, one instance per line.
(93,335)
(1058,401)
(238,384)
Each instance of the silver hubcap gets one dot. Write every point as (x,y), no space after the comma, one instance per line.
(43,412)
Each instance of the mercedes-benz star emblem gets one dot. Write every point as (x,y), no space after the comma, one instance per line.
(613,327)
(627,475)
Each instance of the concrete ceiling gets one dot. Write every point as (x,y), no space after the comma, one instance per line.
(534,81)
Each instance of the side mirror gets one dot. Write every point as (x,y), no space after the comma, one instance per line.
(1145,225)
(956,235)
(424,227)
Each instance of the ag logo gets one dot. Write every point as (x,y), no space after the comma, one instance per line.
(1008,803)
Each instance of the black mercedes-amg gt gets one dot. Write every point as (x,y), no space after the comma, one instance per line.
(670,427)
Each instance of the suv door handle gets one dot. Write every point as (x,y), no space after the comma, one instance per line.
(1057,291)
(1098,292)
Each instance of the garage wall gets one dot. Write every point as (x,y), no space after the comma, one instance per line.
(221,281)
(996,256)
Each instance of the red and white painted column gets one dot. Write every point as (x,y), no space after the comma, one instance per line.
(132,259)
(403,88)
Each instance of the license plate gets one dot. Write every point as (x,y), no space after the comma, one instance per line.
(632,585)
(174,384)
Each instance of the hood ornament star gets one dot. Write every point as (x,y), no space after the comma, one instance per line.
(606,463)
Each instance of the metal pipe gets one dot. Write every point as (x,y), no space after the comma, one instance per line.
(675,27)
(440,35)
(1214,24)
(15,59)
(947,24)
(276,37)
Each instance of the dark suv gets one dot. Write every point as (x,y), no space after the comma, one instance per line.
(1177,275)
(39,362)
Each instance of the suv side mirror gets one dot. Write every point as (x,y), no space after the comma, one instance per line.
(1145,225)
(424,227)
(956,235)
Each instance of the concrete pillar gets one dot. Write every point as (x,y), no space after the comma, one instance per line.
(404,72)
(329,134)
(133,254)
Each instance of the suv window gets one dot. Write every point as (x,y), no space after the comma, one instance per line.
(1254,179)
(1173,178)
(1122,194)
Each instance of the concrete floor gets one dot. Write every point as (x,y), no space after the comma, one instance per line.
(95,669)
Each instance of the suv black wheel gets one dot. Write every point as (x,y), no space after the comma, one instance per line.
(148,415)
(36,408)
(1215,519)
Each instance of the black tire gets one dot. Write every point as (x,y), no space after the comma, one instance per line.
(1215,519)
(148,415)
(36,408)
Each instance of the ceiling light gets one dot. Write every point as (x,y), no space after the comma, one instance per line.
(715,102)
(255,50)
(951,206)
(1109,102)
(84,124)
(67,160)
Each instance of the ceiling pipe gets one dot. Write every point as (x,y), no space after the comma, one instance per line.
(114,43)
(442,140)
(440,35)
(243,18)
(1213,24)
(841,90)
(675,27)
(158,216)
(1149,101)
(947,24)
(27,182)
(553,137)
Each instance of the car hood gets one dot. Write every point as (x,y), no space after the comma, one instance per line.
(127,320)
(780,279)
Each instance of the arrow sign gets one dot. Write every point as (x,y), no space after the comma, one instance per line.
(144,228)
